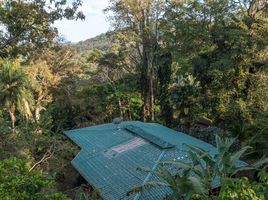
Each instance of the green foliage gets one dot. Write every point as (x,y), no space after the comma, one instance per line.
(258,134)
(168,61)
(23,33)
(16,182)
(101,42)
(184,185)
(164,64)
(184,99)
(238,189)
(115,90)
(139,24)
(195,178)
(15,92)
(93,196)
(208,134)
(242,189)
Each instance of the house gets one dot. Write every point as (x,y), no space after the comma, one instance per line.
(110,155)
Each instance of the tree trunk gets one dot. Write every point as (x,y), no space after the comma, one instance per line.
(145,97)
(28,111)
(120,108)
(146,85)
(151,87)
(164,62)
(37,114)
(149,42)
(12,118)
(129,110)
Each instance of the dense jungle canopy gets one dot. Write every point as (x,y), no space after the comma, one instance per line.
(175,62)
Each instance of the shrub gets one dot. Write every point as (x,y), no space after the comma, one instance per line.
(16,182)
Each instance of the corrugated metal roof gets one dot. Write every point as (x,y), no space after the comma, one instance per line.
(109,156)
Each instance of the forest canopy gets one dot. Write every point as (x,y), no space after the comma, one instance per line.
(174,62)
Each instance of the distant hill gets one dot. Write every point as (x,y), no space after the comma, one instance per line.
(101,42)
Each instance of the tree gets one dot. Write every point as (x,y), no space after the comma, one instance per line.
(224,45)
(58,75)
(202,171)
(184,99)
(164,73)
(139,21)
(42,81)
(242,189)
(15,90)
(16,182)
(26,26)
(121,89)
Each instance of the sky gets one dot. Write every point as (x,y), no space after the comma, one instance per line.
(94,24)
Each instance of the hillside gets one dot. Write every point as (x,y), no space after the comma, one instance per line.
(101,42)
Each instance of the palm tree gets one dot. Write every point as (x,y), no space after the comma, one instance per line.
(14,90)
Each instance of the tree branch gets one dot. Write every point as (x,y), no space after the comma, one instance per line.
(46,156)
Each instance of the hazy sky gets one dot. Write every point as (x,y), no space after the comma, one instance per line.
(94,24)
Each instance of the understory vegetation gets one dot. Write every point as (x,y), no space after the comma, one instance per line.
(201,176)
(178,63)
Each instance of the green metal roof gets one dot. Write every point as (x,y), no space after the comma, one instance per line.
(109,156)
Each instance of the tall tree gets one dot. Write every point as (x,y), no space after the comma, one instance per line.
(139,21)
(26,26)
(164,63)
(14,90)
(42,82)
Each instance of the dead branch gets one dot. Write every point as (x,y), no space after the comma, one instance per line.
(46,156)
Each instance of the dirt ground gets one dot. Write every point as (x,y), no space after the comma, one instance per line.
(73,185)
